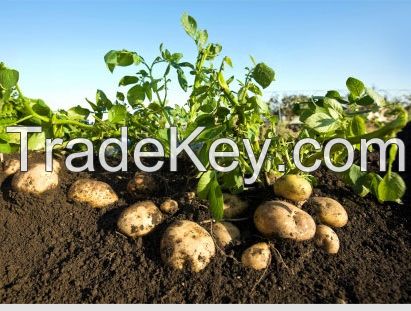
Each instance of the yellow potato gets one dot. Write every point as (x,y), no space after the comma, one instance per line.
(225,233)
(233,206)
(187,244)
(169,206)
(95,193)
(293,187)
(282,219)
(330,212)
(10,167)
(36,180)
(327,239)
(139,219)
(257,256)
(142,184)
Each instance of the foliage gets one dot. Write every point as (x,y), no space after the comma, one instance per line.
(225,106)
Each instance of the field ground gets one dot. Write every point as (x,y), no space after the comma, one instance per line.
(53,251)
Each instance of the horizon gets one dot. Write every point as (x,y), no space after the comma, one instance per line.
(58,48)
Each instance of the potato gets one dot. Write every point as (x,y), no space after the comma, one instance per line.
(293,187)
(187,244)
(142,184)
(282,219)
(95,193)
(169,206)
(257,256)
(330,212)
(327,239)
(189,196)
(225,233)
(36,180)
(233,206)
(139,219)
(10,167)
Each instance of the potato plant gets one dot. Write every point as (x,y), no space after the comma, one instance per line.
(226,106)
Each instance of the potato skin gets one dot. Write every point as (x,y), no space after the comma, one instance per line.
(10,167)
(293,187)
(142,184)
(95,193)
(233,206)
(257,256)
(169,206)
(327,239)
(283,219)
(139,219)
(187,244)
(225,233)
(36,180)
(330,212)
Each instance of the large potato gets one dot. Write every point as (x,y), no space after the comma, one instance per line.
(257,256)
(95,193)
(282,219)
(233,206)
(225,233)
(36,180)
(187,244)
(139,219)
(142,184)
(293,187)
(327,239)
(10,167)
(330,212)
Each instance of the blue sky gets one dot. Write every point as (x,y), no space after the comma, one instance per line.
(58,46)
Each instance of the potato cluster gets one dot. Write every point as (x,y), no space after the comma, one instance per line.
(186,244)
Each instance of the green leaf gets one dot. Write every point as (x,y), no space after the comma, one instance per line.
(255,89)
(182,80)
(210,133)
(355,86)
(357,126)
(333,103)
(228,61)
(322,122)
(117,114)
(127,80)
(377,98)
(136,95)
(189,24)
(78,113)
(333,94)
(263,75)
(204,184)
(391,188)
(121,58)
(102,100)
(8,78)
(216,200)
(36,141)
(201,37)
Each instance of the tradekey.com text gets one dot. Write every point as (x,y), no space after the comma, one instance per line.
(176,147)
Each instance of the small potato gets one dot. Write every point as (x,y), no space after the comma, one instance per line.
(36,180)
(225,233)
(257,256)
(327,239)
(282,219)
(169,206)
(95,193)
(142,184)
(187,244)
(233,206)
(330,212)
(139,219)
(189,196)
(293,187)
(10,167)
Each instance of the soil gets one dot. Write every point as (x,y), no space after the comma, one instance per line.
(56,251)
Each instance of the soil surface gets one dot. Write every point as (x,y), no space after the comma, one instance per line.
(56,251)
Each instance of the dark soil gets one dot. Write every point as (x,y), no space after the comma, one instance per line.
(56,251)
